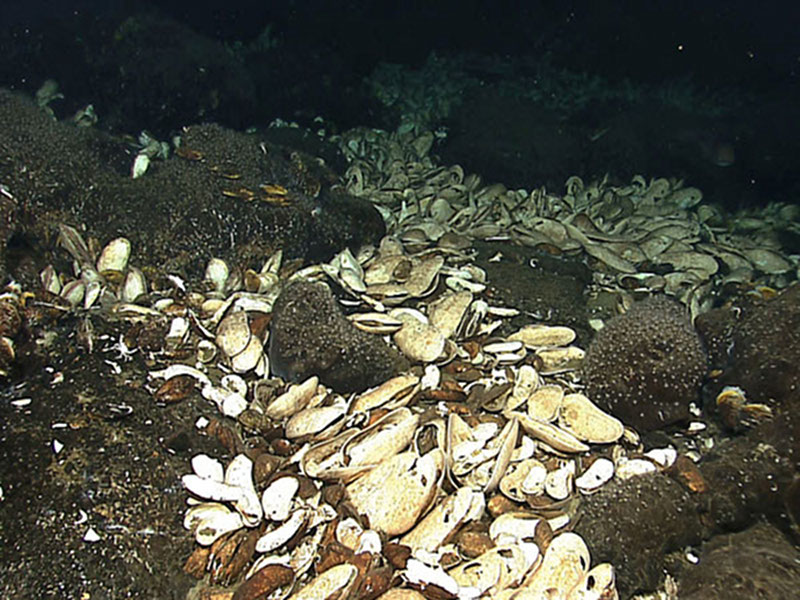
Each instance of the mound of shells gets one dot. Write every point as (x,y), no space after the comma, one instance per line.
(460,478)
(649,235)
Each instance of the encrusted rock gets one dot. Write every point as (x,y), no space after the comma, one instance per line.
(647,365)
(310,336)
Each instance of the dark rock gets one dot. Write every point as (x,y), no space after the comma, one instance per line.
(765,355)
(756,563)
(209,201)
(647,365)
(549,288)
(635,524)
(310,336)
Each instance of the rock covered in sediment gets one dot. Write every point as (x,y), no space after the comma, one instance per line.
(310,336)
(756,563)
(647,365)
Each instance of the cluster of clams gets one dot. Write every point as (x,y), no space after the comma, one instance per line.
(646,236)
(462,477)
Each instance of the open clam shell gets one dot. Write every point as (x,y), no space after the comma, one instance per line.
(395,493)
(441,523)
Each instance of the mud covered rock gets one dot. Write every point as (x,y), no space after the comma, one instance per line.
(224,194)
(647,365)
(637,523)
(765,348)
(548,287)
(310,336)
(756,563)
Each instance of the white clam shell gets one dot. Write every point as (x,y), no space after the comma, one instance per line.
(558,483)
(314,420)
(545,402)
(293,400)
(440,523)
(598,474)
(217,272)
(565,563)
(277,537)
(417,339)
(233,333)
(208,468)
(587,422)
(550,434)
(336,582)
(210,521)
(395,493)
(278,497)
(134,286)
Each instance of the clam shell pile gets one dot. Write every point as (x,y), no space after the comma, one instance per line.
(460,478)
(648,235)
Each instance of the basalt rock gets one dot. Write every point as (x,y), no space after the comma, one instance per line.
(223,194)
(310,336)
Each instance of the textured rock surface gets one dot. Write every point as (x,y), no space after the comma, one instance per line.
(647,365)
(182,210)
(310,336)
(756,563)
(765,357)
(756,342)
(638,523)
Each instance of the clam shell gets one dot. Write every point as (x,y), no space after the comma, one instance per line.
(277,537)
(558,483)
(336,582)
(293,400)
(565,564)
(550,434)
(317,421)
(599,583)
(447,312)
(217,272)
(587,422)
(381,440)
(598,474)
(375,322)
(544,336)
(393,393)
(249,358)
(233,333)
(523,478)
(544,403)
(418,340)
(114,257)
(558,360)
(209,521)
(395,493)
(514,527)
(278,497)
(441,523)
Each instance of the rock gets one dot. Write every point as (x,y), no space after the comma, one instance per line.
(310,336)
(212,198)
(757,563)
(765,354)
(647,365)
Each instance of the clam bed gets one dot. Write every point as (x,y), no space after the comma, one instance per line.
(462,477)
